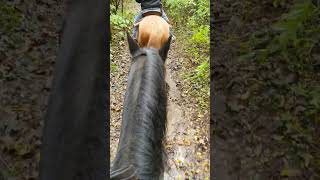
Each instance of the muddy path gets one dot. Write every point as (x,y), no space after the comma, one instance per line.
(186,142)
(180,142)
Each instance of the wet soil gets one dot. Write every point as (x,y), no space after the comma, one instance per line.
(253,134)
(185,160)
(28,47)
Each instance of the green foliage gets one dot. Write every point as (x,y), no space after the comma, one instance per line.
(113,9)
(292,38)
(278,3)
(300,132)
(293,41)
(192,16)
(199,50)
(9,17)
(114,5)
(113,67)
(201,36)
(180,10)
(184,11)
(296,131)
(120,22)
(201,72)
(201,15)
(295,29)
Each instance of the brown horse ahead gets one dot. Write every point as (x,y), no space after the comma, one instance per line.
(153,32)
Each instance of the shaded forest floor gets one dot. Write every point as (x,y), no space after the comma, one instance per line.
(28,47)
(265,112)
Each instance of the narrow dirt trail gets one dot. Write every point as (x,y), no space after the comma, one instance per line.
(178,143)
(185,160)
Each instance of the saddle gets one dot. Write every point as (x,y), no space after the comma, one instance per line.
(147,14)
(151,13)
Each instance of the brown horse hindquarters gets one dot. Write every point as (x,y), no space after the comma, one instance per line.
(153,32)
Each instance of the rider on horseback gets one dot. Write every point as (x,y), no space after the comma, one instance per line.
(150,7)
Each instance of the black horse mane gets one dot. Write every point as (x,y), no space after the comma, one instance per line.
(151,112)
(144,116)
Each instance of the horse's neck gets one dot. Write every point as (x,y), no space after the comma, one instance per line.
(129,120)
(141,120)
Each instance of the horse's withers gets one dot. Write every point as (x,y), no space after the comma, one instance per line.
(153,32)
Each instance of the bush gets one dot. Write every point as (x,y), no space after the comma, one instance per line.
(292,38)
(193,16)
(9,17)
(201,36)
(179,10)
(120,22)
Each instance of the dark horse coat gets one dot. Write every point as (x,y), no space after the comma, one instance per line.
(139,154)
(74,144)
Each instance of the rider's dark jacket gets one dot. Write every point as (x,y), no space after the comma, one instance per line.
(150,4)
